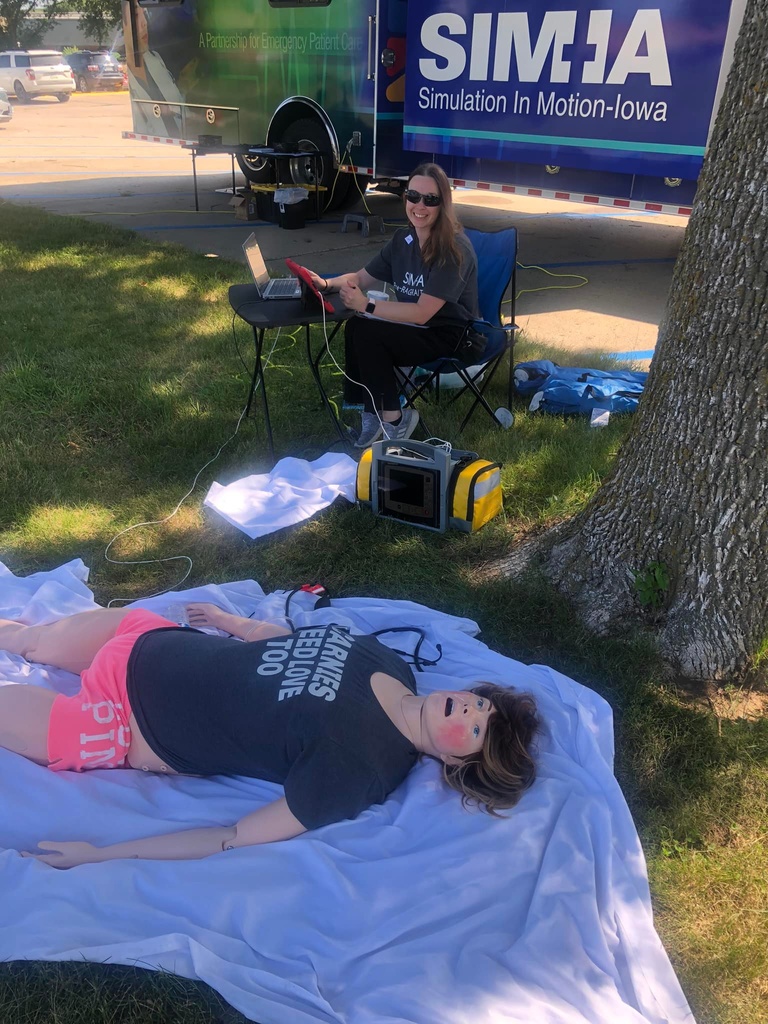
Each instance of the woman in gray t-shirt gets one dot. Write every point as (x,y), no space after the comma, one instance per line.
(432,269)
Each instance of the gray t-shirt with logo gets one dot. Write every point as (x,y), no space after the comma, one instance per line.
(400,264)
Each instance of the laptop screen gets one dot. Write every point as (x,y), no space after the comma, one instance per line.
(256,262)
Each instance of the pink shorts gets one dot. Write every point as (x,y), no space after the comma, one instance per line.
(91,729)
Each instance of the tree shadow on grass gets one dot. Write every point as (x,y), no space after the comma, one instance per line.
(89,993)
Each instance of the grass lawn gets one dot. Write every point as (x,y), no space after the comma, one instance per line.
(121,376)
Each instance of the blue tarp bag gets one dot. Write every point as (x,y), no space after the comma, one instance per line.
(529,377)
(572,389)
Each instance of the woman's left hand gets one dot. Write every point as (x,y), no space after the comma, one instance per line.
(201,613)
(353,297)
(64,855)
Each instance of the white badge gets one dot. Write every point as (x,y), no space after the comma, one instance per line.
(408,239)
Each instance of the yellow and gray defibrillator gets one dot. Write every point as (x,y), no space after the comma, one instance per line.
(431,486)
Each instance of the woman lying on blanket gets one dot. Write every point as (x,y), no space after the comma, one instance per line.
(334,718)
(432,268)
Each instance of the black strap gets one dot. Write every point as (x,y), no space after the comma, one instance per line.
(323,601)
(471,490)
(467,458)
(418,661)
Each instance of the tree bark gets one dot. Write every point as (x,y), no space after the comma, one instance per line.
(689,487)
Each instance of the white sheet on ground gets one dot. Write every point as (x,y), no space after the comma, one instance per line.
(416,911)
(291,492)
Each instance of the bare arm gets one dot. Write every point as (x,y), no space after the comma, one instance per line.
(353,288)
(420,312)
(361,278)
(200,615)
(269,824)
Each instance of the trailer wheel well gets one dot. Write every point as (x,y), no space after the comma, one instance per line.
(298,124)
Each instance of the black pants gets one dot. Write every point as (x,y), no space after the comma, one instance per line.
(373,348)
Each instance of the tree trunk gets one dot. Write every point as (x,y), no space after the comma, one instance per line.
(689,488)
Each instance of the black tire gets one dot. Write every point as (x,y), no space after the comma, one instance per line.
(20,92)
(357,183)
(63,97)
(339,195)
(82,84)
(256,169)
(309,135)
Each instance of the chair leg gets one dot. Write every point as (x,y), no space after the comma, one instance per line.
(479,400)
(418,389)
(480,396)
(511,373)
(407,380)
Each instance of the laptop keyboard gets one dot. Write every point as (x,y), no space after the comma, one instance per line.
(282,286)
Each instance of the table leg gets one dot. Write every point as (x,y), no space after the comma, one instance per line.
(194,179)
(317,190)
(256,379)
(314,365)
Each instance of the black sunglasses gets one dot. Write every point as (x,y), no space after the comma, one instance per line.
(412,196)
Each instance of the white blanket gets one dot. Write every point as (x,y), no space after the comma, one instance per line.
(417,911)
(291,492)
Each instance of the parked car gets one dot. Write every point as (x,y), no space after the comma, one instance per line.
(95,70)
(6,110)
(28,73)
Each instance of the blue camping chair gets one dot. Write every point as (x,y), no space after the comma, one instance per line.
(496,265)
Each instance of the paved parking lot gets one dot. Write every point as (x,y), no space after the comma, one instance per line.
(71,159)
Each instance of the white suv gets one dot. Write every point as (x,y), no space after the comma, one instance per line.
(27,73)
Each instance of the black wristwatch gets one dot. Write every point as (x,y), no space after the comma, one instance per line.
(370,307)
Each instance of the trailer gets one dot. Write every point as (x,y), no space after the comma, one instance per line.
(608,104)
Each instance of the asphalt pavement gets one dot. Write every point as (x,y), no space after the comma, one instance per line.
(71,159)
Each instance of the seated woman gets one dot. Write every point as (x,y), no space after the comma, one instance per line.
(432,268)
(334,718)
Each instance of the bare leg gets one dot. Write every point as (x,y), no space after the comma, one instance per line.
(24,715)
(71,643)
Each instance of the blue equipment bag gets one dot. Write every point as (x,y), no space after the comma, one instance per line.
(572,389)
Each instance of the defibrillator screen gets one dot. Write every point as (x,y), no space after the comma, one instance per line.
(411,494)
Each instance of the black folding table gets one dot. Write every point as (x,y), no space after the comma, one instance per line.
(266,314)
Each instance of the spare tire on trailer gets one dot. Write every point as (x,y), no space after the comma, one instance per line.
(309,134)
(256,169)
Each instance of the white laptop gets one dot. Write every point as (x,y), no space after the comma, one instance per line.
(268,287)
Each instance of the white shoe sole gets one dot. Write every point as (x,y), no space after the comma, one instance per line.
(413,422)
(367,444)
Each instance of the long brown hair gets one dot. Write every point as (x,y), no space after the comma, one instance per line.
(498,776)
(441,242)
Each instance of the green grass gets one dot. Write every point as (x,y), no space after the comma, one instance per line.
(121,377)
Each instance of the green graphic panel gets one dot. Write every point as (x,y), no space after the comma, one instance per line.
(253,56)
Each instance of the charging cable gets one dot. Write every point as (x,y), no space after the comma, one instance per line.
(160,522)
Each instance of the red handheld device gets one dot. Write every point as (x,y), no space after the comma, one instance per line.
(308,286)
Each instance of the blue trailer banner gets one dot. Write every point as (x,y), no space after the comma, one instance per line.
(613,86)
